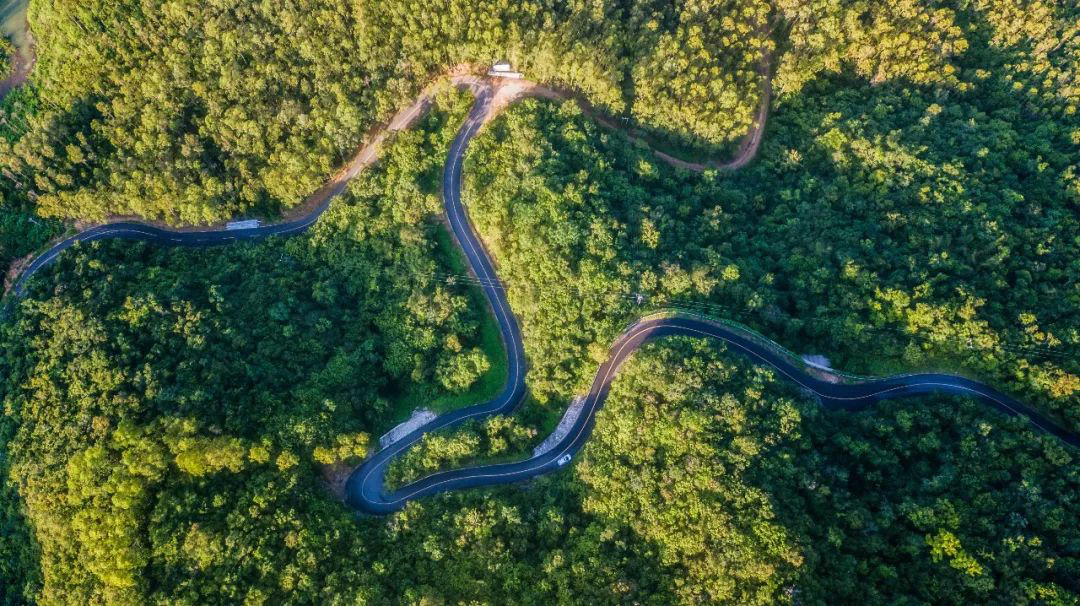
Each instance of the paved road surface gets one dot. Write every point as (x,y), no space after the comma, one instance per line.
(365,490)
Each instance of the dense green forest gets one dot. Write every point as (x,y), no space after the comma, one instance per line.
(184,364)
(709,480)
(197,112)
(934,501)
(176,422)
(21,232)
(7,57)
(943,245)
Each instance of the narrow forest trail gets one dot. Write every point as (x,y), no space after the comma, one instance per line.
(505,92)
(751,141)
(748,147)
(297,218)
(364,489)
(509,91)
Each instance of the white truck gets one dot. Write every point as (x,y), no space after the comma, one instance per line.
(502,69)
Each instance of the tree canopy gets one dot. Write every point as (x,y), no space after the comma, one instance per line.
(177,423)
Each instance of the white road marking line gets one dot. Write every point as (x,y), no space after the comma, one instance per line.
(483,266)
(613,365)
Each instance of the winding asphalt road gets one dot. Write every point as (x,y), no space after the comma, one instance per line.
(365,490)
(139,231)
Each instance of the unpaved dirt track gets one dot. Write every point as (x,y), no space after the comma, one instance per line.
(365,489)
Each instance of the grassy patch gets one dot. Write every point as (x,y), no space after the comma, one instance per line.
(489,384)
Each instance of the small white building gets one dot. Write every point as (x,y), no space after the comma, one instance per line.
(502,69)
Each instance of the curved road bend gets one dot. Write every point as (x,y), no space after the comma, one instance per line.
(316,204)
(139,231)
(364,489)
(365,486)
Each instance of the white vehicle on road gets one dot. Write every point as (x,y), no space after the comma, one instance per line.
(563,460)
(251,224)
